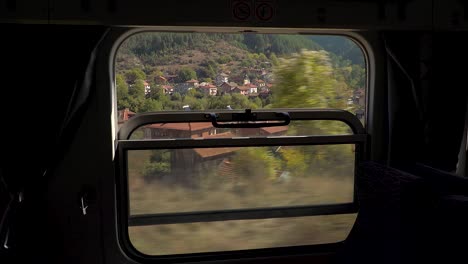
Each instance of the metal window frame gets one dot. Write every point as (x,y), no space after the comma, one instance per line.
(359,138)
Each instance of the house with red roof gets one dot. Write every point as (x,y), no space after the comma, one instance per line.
(208,89)
(193,83)
(179,130)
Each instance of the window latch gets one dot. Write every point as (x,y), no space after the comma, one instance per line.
(249,120)
(86,197)
(84,205)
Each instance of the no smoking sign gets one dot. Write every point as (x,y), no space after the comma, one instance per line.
(257,10)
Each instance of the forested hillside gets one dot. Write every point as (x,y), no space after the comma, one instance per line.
(153,69)
(344,48)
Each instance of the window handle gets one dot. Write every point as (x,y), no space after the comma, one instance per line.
(249,120)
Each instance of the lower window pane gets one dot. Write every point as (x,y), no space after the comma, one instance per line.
(240,234)
(203,179)
(190,180)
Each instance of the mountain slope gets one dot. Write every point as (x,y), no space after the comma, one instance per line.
(341,46)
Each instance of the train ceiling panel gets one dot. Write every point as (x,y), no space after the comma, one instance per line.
(341,14)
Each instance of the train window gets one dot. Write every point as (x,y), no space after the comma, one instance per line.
(158,71)
(193,185)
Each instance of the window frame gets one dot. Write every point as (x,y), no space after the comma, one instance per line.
(358,138)
(107,59)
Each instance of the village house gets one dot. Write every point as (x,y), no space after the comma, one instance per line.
(168,89)
(183,88)
(189,165)
(222,78)
(260,83)
(208,89)
(252,88)
(244,90)
(147,87)
(226,88)
(179,130)
(193,83)
(246,80)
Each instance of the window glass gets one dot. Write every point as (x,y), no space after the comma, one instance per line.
(203,179)
(207,130)
(240,234)
(199,71)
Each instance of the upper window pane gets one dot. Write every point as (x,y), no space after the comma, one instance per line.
(199,71)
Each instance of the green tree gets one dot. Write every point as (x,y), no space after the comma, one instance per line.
(194,103)
(122,86)
(151,105)
(176,97)
(306,80)
(137,90)
(134,74)
(265,169)
(158,166)
(152,77)
(295,160)
(135,103)
(219,102)
(358,77)
(156,92)
(122,92)
(274,59)
(195,93)
(186,74)
(239,101)
(256,102)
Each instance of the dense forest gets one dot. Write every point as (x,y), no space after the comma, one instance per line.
(341,47)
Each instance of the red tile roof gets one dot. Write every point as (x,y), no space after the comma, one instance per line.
(192,81)
(214,152)
(243,88)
